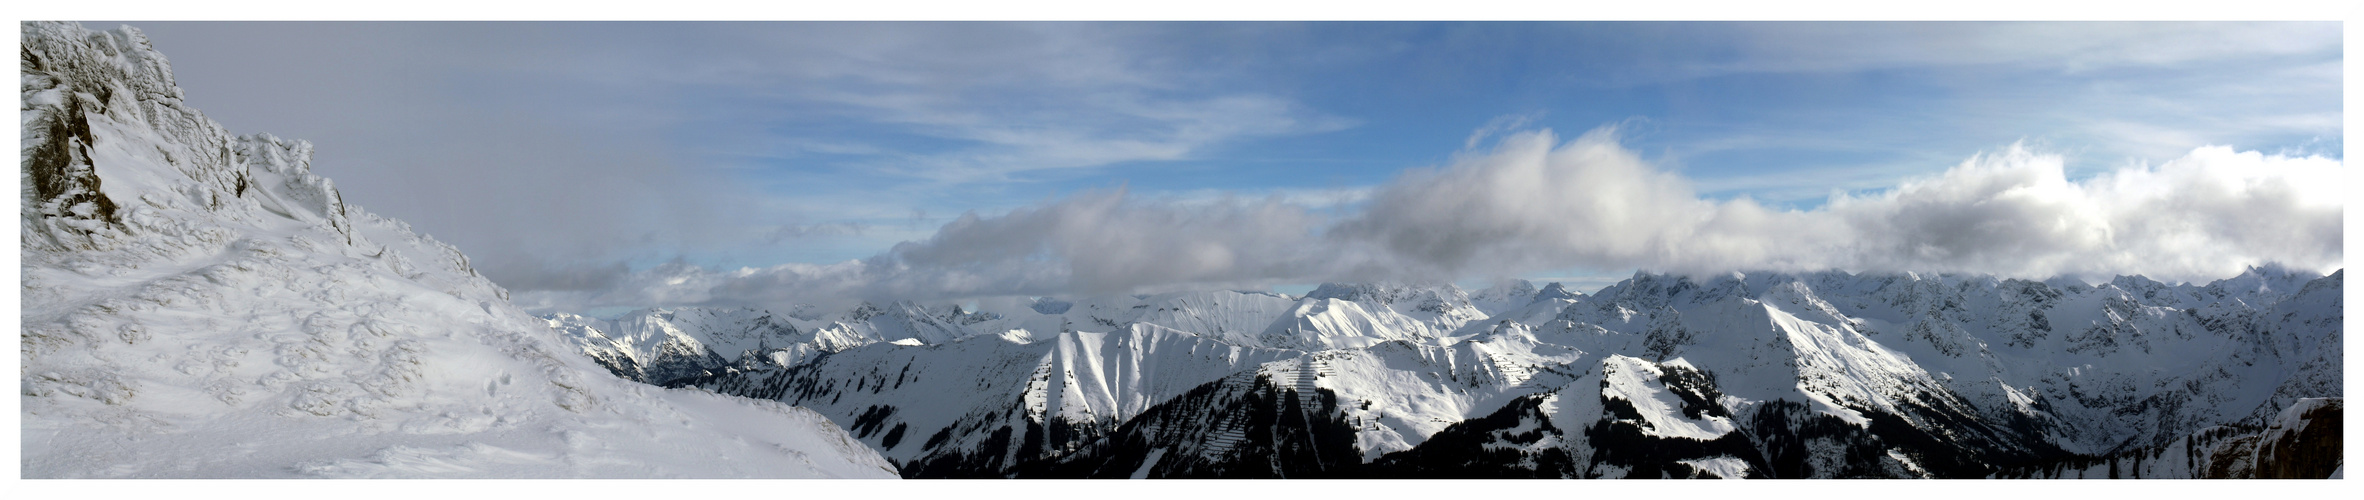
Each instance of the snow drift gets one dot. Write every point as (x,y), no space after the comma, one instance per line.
(198,304)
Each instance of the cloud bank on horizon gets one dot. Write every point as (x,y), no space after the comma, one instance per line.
(1535,202)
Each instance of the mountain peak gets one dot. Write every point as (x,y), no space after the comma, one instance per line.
(1557,291)
(370,351)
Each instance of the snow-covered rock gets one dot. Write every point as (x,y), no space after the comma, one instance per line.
(661,345)
(198,304)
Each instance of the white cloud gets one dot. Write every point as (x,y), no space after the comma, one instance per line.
(1531,204)
(1094,242)
(2203,216)
(1535,203)
(1103,242)
(1317,199)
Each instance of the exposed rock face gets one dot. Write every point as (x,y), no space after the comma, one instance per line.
(2304,443)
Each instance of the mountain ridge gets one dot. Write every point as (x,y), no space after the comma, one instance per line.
(198,304)
(1895,374)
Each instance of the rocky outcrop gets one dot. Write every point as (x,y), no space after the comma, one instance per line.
(2303,444)
(202,306)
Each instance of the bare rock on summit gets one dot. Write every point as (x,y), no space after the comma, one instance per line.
(203,305)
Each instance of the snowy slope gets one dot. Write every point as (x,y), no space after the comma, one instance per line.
(201,305)
(1508,294)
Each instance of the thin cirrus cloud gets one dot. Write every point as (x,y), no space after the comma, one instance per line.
(1534,202)
(965,102)
(2066,47)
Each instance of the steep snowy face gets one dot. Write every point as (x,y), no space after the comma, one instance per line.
(1439,308)
(1539,308)
(1503,296)
(1351,316)
(2127,363)
(202,305)
(1396,394)
(901,321)
(2091,368)
(990,400)
(1327,323)
(1232,317)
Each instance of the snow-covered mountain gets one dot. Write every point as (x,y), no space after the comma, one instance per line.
(198,304)
(661,345)
(1827,374)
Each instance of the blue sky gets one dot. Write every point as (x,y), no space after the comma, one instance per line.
(569,156)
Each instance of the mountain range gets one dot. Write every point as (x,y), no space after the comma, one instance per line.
(199,304)
(1828,374)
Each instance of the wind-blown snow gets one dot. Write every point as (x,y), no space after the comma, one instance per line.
(201,305)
